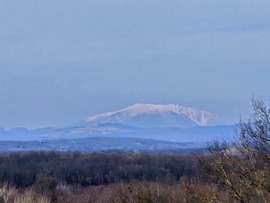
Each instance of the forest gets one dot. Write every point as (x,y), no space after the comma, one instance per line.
(235,171)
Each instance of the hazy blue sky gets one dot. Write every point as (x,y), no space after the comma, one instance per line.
(62,60)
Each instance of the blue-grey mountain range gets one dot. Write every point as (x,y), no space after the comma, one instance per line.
(164,126)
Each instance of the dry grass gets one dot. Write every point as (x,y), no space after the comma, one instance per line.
(132,192)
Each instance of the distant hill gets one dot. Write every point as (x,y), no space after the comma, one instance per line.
(104,144)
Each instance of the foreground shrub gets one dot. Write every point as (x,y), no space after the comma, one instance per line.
(243,166)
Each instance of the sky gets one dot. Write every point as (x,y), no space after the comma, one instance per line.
(64,60)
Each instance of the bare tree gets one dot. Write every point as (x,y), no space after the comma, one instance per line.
(243,165)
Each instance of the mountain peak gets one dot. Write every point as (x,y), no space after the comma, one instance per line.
(156,115)
(144,108)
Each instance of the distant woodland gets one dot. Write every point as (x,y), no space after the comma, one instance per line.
(229,172)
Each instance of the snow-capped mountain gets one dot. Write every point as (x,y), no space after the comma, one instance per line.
(169,123)
(153,115)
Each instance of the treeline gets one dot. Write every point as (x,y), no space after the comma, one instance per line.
(23,169)
(92,177)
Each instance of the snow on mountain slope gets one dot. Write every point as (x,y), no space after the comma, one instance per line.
(153,115)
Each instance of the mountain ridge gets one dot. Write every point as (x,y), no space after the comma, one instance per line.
(145,115)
